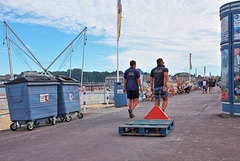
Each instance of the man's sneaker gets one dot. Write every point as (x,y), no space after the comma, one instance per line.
(131,115)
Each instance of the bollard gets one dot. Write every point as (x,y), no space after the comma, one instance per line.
(84,101)
(107,96)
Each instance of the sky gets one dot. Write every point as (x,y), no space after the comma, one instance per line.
(151,29)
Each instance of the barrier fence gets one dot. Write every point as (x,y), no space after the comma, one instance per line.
(3,103)
(85,99)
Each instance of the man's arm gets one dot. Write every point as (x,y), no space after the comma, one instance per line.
(151,83)
(165,81)
(124,83)
(139,82)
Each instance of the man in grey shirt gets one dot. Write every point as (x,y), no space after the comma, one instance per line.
(160,76)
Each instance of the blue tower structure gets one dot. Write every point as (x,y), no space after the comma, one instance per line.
(230,58)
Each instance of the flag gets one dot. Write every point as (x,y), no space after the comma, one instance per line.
(204,70)
(190,61)
(119,8)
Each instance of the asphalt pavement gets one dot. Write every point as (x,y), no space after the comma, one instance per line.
(200,134)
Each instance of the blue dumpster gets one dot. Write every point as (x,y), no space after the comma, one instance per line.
(120,98)
(68,98)
(31,100)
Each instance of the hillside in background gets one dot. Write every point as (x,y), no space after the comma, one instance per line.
(87,76)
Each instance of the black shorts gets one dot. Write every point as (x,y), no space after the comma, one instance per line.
(132,94)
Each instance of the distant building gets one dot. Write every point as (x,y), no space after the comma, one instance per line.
(109,80)
(29,73)
(3,78)
(182,77)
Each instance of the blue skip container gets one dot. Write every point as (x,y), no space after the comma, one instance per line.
(68,98)
(31,100)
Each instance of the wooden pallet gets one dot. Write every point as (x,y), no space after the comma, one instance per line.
(147,127)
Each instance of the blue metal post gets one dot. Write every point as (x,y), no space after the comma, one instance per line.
(142,90)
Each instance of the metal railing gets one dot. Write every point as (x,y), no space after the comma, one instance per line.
(3,103)
(88,98)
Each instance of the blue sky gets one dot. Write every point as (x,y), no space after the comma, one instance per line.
(170,29)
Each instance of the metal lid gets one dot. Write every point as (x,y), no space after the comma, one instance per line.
(62,78)
(32,79)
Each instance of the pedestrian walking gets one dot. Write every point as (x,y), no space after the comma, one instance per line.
(130,84)
(204,88)
(210,85)
(158,81)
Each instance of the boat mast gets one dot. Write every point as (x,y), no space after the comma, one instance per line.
(70,72)
(83,58)
(9,55)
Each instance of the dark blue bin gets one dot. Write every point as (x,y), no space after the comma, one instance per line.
(68,98)
(31,100)
(120,98)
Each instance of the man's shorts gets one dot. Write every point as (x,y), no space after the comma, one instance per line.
(204,87)
(132,94)
(158,92)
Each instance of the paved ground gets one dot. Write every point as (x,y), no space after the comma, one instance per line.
(200,134)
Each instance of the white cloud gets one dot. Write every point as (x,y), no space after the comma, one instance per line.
(150,29)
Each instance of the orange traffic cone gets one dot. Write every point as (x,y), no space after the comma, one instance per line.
(157,113)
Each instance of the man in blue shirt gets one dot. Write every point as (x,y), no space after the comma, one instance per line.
(160,76)
(131,82)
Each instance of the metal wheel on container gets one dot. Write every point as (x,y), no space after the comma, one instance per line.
(68,118)
(30,126)
(48,121)
(13,126)
(36,123)
(80,115)
(54,120)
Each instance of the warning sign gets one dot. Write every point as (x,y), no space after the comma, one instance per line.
(71,97)
(120,91)
(44,97)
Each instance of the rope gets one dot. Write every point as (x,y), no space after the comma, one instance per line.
(64,62)
(4,34)
(13,40)
(21,57)
(67,57)
(25,52)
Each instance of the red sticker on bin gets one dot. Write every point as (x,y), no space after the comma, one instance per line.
(44,97)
